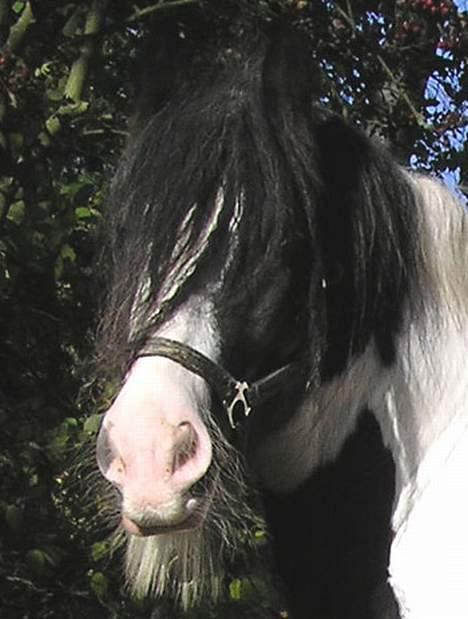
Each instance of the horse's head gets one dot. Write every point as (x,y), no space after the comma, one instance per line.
(166,441)
(179,397)
(210,248)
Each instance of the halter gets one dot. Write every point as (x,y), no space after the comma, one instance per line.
(234,394)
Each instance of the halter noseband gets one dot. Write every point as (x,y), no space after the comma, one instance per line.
(233,394)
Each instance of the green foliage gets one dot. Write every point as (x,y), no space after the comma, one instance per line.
(64,90)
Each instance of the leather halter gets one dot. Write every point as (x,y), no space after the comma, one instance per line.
(234,394)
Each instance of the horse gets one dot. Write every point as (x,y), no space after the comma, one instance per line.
(285,304)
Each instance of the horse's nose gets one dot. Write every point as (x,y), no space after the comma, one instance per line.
(153,469)
(178,453)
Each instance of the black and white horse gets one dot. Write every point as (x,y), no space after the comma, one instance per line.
(255,235)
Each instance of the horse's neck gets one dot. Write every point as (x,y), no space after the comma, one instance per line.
(420,402)
(315,434)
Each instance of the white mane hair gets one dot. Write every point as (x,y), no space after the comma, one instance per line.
(444,235)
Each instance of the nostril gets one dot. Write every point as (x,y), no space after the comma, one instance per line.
(185,446)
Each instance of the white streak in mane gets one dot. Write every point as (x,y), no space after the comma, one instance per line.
(184,266)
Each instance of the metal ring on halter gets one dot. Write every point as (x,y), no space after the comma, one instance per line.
(240,397)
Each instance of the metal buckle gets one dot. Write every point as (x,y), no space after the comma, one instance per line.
(240,397)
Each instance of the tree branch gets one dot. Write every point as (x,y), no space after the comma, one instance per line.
(394,81)
(160,6)
(79,70)
(404,95)
(19,29)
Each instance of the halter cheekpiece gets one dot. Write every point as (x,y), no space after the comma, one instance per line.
(237,396)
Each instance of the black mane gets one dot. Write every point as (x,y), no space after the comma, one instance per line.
(231,116)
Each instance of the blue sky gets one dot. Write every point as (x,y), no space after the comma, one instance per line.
(435,89)
(462,4)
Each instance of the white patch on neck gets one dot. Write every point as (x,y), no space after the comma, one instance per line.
(317,431)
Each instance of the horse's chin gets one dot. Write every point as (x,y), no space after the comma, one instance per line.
(192,522)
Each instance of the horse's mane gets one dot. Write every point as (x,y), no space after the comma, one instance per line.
(227,136)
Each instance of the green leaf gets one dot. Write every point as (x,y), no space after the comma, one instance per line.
(43,70)
(99,584)
(68,253)
(70,422)
(60,438)
(53,125)
(73,109)
(16,212)
(18,7)
(83,212)
(92,424)
(36,561)
(242,589)
(235,589)
(99,551)
(260,536)
(44,139)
